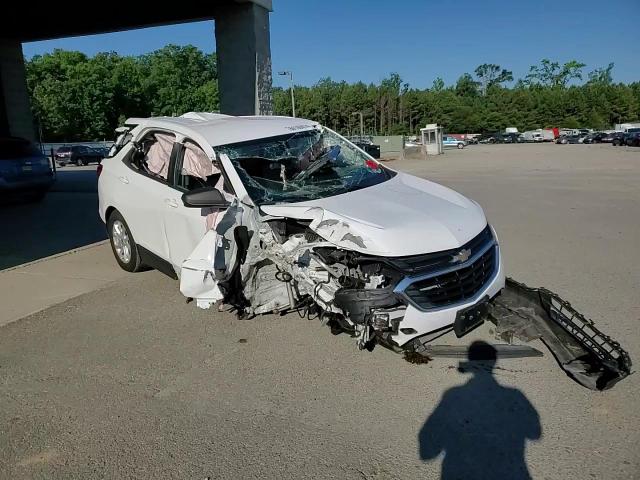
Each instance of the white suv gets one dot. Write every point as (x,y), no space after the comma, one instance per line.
(275,214)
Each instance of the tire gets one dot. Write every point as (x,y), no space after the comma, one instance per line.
(123,244)
(80,162)
(460,146)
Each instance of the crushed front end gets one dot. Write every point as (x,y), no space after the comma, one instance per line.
(405,303)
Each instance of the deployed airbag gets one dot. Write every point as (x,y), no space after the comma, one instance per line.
(157,158)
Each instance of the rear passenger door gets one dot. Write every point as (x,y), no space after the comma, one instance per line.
(142,191)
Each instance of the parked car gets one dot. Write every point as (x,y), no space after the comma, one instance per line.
(594,137)
(489,138)
(610,137)
(571,139)
(511,138)
(620,140)
(77,155)
(452,142)
(24,170)
(276,214)
(102,152)
(632,139)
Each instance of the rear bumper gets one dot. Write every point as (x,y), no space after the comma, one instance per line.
(41,183)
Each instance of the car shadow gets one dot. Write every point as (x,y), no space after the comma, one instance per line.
(66,218)
(480,428)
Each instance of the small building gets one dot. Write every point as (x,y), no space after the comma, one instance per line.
(432,139)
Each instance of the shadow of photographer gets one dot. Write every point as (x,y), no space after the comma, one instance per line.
(481,427)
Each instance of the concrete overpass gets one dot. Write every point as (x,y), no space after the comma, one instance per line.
(242,45)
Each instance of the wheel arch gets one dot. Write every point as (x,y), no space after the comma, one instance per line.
(108,212)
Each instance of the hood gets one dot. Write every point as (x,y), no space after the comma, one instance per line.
(405,215)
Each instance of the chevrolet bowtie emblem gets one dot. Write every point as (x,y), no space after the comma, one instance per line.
(461,257)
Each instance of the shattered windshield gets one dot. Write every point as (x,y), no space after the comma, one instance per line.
(302,166)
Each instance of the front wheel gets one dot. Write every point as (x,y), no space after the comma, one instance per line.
(460,146)
(122,243)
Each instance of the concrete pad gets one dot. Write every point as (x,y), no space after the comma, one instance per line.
(133,382)
(34,286)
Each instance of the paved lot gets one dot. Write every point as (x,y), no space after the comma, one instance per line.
(67,218)
(131,382)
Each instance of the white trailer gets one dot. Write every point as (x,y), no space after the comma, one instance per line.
(539,135)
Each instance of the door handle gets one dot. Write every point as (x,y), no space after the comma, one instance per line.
(172,202)
(123,179)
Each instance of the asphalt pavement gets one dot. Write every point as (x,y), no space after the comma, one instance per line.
(66,218)
(130,381)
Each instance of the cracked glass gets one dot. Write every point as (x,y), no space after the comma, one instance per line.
(302,166)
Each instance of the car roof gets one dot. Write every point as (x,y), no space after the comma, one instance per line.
(218,129)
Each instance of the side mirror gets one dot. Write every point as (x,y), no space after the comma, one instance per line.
(204,197)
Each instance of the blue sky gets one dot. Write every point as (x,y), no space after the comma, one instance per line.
(420,39)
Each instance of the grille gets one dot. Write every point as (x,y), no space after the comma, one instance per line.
(434,262)
(453,286)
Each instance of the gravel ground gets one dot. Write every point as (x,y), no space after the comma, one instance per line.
(131,382)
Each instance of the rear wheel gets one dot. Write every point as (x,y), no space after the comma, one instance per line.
(122,243)
(79,161)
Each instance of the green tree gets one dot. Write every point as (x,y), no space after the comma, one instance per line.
(438,85)
(490,74)
(551,74)
(466,86)
(601,76)
(76,97)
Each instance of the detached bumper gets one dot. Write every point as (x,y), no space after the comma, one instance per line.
(587,355)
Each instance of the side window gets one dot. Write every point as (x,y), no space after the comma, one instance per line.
(152,154)
(194,169)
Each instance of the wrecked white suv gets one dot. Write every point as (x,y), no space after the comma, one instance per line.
(278,214)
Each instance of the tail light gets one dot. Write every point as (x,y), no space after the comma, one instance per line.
(99,170)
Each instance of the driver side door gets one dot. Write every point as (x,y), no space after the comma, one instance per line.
(185,227)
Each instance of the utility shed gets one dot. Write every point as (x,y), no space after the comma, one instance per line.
(391,146)
(432,139)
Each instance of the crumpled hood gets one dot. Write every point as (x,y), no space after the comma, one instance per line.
(406,215)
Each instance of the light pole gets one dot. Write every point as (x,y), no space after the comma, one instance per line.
(293,100)
(361,124)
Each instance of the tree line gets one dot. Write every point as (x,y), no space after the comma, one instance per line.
(77,97)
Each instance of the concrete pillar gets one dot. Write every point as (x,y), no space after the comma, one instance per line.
(244,59)
(15,109)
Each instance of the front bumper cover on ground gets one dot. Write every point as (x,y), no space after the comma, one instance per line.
(587,355)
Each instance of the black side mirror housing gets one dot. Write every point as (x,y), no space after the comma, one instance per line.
(206,197)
